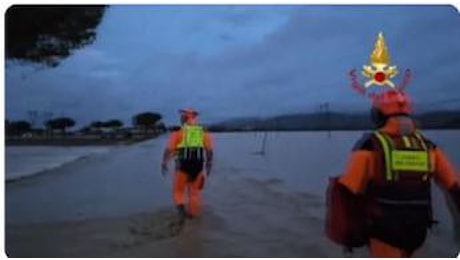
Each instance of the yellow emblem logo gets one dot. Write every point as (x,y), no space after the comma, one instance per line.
(379,71)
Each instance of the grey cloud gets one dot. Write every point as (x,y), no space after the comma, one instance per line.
(301,64)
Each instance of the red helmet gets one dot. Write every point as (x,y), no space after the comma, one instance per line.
(392,102)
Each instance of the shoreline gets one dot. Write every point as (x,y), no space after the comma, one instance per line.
(45,171)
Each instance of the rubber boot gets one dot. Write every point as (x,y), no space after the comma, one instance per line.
(182,213)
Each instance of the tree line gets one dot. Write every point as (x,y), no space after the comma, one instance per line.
(146,121)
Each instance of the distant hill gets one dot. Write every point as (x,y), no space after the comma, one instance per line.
(331,121)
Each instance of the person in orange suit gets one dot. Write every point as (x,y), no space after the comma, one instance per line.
(392,169)
(192,148)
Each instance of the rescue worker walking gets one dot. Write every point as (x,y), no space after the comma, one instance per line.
(192,148)
(392,168)
(383,199)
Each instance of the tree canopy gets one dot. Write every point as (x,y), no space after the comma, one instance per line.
(46,34)
(17,127)
(60,123)
(113,123)
(97,124)
(146,119)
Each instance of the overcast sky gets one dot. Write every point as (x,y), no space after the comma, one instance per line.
(234,61)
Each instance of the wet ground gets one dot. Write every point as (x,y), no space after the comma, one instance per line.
(117,204)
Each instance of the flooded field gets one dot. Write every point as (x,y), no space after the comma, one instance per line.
(265,198)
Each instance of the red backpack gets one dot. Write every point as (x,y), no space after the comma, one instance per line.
(346,221)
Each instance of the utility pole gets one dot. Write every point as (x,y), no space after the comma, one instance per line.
(328,120)
(46,116)
(263,146)
(32,114)
(264,142)
(324,109)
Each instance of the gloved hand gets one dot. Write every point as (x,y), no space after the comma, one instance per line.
(164,169)
(455,194)
(208,168)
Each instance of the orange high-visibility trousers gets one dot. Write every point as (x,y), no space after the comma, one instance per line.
(181,185)
(381,249)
